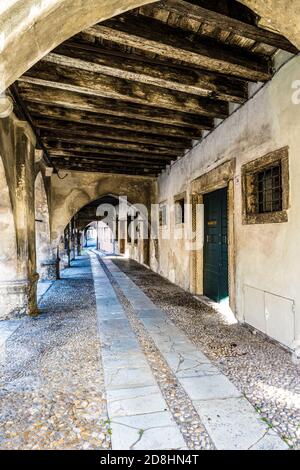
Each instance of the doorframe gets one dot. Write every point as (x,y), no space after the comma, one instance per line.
(220,177)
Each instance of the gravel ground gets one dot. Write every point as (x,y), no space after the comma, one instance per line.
(52,392)
(261,369)
(176,398)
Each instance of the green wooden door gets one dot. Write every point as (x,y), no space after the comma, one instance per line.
(216,245)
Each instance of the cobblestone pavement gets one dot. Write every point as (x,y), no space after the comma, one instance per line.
(59,389)
(52,394)
(259,368)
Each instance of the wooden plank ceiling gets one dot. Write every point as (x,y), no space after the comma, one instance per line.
(131,94)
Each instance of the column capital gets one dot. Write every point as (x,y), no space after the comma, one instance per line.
(38,155)
(27,129)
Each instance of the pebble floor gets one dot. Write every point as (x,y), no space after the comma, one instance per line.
(52,393)
(261,369)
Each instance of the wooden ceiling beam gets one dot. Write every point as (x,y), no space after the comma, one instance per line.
(178,78)
(87,131)
(38,111)
(200,11)
(150,35)
(114,162)
(95,84)
(110,144)
(56,149)
(61,165)
(70,100)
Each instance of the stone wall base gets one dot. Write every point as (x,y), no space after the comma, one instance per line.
(48,270)
(14,299)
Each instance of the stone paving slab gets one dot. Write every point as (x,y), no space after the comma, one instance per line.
(128,378)
(125,360)
(229,418)
(209,387)
(156,431)
(233,425)
(129,402)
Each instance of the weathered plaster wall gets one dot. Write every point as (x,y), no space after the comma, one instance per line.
(32,28)
(267,256)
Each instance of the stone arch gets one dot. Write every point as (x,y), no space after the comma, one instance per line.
(78,190)
(44,259)
(32,28)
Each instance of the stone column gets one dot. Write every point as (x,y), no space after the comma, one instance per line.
(24,211)
(78,238)
(18,276)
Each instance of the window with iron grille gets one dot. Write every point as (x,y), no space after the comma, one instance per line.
(265,185)
(269,189)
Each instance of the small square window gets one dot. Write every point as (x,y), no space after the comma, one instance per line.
(179,211)
(266,189)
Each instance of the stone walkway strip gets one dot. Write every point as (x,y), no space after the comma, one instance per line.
(138,413)
(229,418)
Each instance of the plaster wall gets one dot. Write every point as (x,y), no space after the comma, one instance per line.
(268,255)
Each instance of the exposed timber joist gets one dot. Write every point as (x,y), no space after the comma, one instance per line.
(103,168)
(88,131)
(70,100)
(201,11)
(112,161)
(66,149)
(38,111)
(183,79)
(95,84)
(110,144)
(174,43)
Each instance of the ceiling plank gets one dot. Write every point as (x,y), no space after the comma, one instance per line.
(102,120)
(102,168)
(95,84)
(110,144)
(70,100)
(66,149)
(103,133)
(194,11)
(150,35)
(183,79)
(112,161)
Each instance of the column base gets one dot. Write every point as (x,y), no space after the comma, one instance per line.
(48,270)
(14,302)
